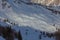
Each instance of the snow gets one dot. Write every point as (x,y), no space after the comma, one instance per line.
(32,34)
(29,17)
(47,38)
(36,17)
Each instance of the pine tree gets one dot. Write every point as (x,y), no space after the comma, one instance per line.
(19,36)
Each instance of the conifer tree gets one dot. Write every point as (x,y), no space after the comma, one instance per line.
(19,36)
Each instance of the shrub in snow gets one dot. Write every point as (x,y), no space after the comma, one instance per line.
(40,36)
(9,6)
(36,31)
(26,32)
(4,5)
(18,2)
(53,24)
(43,33)
(49,35)
(15,1)
(6,20)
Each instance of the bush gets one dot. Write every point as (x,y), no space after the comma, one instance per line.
(4,5)
(40,36)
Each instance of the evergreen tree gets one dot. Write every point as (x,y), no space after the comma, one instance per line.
(19,36)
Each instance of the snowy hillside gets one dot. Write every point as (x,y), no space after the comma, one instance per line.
(10,31)
(36,17)
(33,17)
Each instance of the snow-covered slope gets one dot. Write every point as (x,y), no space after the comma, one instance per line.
(32,20)
(33,16)
(27,33)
